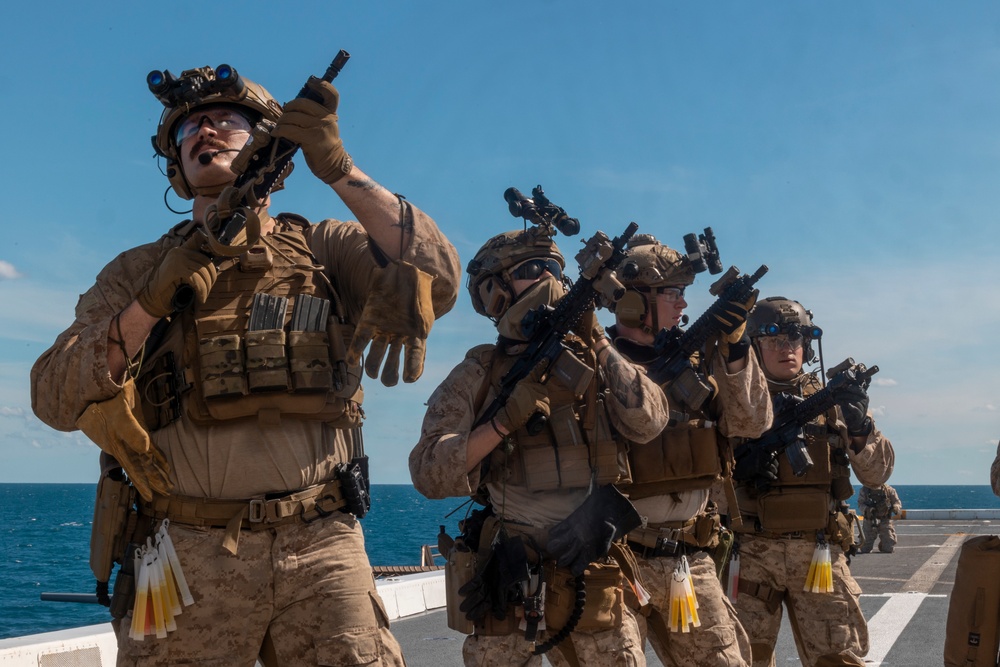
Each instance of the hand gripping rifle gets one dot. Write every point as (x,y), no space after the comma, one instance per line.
(673,347)
(545,327)
(262,163)
(786,434)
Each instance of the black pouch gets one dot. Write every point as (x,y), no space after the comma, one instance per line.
(353,478)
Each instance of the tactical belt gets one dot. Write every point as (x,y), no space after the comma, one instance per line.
(253,514)
(666,540)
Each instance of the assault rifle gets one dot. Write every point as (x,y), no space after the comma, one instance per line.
(259,166)
(673,347)
(786,433)
(545,327)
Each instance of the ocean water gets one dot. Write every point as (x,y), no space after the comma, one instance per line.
(45,542)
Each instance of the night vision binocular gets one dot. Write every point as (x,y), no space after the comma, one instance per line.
(792,330)
(540,211)
(193,85)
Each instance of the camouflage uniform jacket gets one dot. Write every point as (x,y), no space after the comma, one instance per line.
(235,459)
(438,461)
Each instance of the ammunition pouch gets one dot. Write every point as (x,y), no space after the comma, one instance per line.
(604,607)
(793,509)
(353,479)
(840,529)
(682,458)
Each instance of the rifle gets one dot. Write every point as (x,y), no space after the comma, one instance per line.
(673,347)
(545,327)
(259,166)
(786,433)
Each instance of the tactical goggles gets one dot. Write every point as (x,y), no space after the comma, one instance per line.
(792,331)
(780,342)
(223,119)
(533,268)
(669,294)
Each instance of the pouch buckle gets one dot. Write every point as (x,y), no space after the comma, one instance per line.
(256,512)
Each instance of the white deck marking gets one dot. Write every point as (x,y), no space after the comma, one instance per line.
(889,622)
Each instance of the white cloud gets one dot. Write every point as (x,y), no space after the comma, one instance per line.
(6,411)
(884,382)
(7,271)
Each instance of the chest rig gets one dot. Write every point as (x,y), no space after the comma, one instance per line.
(804,503)
(269,342)
(687,455)
(571,447)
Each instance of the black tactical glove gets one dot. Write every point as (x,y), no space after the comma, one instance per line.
(585,536)
(479,594)
(733,317)
(498,583)
(735,351)
(853,401)
(757,466)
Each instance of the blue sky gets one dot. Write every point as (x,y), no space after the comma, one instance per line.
(854,148)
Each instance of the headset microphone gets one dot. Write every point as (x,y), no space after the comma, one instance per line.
(205,158)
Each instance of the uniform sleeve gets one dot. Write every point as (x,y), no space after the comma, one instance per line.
(863,497)
(744,400)
(437,462)
(343,248)
(637,406)
(73,373)
(995,473)
(874,463)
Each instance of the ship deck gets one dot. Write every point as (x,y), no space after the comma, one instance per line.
(905,600)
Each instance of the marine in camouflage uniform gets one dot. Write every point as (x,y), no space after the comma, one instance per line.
(236,432)
(672,474)
(879,505)
(783,525)
(536,481)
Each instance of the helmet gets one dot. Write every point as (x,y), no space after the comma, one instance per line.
(489,271)
(648,263)
(778,315)
(196,88)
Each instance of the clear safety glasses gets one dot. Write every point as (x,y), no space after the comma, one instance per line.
(222,119)
(669,294)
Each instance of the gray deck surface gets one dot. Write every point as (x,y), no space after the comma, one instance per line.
(916,579)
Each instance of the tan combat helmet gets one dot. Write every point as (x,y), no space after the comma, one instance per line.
(778,315)
(489,271)
(196,88)
(648,264)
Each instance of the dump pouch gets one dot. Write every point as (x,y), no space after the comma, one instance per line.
(972,634)
(605,603)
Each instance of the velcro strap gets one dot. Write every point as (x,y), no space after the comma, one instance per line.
(769,596)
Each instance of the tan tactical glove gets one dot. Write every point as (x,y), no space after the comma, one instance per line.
(182,267)
(733,318)
(398,314)
(113,426)
(528,397)
(313,126)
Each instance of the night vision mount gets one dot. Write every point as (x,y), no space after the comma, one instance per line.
(703,252)
(540,211)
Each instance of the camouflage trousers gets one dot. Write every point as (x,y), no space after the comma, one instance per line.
(619,647)
(301,593)
(886,534)
(829,628)
(720,641)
